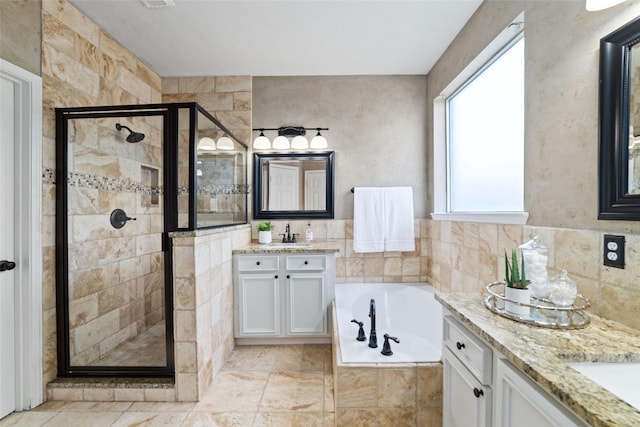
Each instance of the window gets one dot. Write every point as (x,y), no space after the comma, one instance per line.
(479,138)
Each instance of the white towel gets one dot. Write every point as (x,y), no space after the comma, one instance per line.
(368,220)
(398,219)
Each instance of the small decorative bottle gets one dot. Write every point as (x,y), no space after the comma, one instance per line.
(309,234)
(536,256)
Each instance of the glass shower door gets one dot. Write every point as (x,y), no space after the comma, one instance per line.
(117,318)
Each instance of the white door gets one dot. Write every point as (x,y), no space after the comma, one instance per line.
(283,187)
(7,285)
(315,190)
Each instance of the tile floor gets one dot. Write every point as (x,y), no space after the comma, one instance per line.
(128,353)
(275,386)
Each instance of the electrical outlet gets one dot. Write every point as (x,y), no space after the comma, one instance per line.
(614,251)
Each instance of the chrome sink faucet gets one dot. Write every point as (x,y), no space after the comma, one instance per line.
(373,338)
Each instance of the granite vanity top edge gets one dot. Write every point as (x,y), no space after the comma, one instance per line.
(315,247)
(543,354)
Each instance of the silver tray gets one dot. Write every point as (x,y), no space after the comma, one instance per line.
(542,311)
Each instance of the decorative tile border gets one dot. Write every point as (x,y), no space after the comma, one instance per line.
(96,182)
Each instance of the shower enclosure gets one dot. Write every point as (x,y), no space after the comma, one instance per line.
(127,176)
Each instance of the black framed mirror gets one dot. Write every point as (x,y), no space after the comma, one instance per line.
(293,185)
(619,124)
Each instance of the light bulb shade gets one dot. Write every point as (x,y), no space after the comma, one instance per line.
(318,142)
(299,142)
(206,144)
(261,143)
(595,5)
(225,143)
(280,143)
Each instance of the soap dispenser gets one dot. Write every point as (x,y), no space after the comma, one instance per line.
(309,233)
(536,256)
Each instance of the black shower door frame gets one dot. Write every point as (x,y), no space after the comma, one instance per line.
(169,114)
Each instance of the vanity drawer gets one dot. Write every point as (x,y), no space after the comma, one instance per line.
(258,263)
(472,352)
(306,262)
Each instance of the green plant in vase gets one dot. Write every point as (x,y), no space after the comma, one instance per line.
(264,232)
(515,278)
(516,286)
(265,226)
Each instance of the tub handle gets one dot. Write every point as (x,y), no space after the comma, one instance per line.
(386,347)
(459,345)
(361,335)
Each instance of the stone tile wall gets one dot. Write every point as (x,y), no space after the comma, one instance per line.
(203,298)
(465,257)
(81,66)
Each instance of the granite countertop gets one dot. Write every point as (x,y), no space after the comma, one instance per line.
(543,354)
(316,246)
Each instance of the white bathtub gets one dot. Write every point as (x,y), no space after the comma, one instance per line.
(407,311)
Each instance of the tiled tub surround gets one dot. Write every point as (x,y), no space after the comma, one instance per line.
(543,354)
(383,394)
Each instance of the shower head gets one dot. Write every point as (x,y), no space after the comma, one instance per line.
(133,136)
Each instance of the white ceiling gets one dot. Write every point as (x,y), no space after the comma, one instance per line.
(284,38)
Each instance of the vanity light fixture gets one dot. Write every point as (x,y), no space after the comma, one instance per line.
(281,142)
(595,5)
(318,142)
(261,142)
(225,143)
(299,143)
(206,144)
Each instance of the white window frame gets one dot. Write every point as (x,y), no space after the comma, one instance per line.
(440,160)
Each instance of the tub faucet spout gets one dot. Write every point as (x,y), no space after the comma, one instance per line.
(373,338)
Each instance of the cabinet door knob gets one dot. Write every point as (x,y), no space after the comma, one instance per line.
(7,265)
(477,392)
(276,276)
(258,263)
(459,345)
(288,277)
(306,262)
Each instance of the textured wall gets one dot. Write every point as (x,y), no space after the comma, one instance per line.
(561,157)
(20,33)
(377,127)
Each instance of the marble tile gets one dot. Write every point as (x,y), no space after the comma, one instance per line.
(281,395)
(279,419)
(356,418)
(98,419)
(220,419)
(356,388)
(234,392)
(397,388)
(150,419)
(32,418)
(233,84)
(252,358)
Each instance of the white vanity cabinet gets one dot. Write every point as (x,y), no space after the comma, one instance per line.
(481,388)
(283,296)
(520,402)
(467,376)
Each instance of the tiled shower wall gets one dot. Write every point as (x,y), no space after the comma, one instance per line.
(81,66)
(116,276)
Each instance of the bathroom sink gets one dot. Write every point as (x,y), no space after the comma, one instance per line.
(278,246)
(621,378)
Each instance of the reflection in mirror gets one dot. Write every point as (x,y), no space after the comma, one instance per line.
(619,124)
(634,120)
(293,185)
